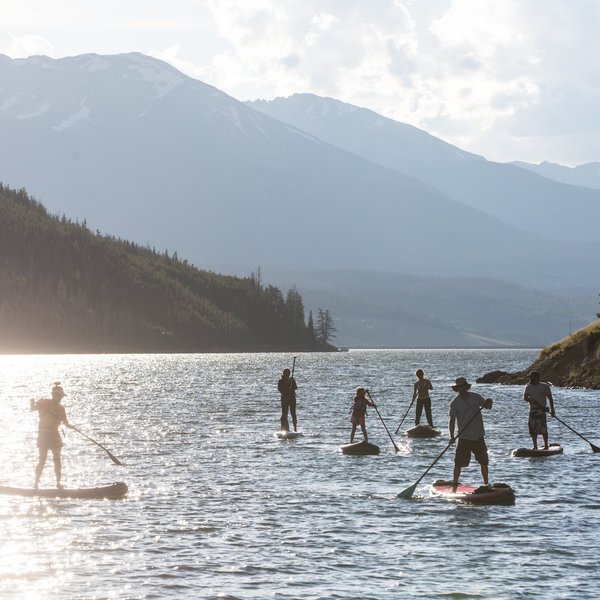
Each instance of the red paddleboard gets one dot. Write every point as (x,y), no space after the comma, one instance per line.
(497,493)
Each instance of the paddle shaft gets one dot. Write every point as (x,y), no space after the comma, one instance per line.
(594,448)
(383,422)
(408,492)
(110,454)
(405,415)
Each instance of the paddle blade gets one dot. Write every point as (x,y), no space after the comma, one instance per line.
(407,494)
(595,448)
(114,458)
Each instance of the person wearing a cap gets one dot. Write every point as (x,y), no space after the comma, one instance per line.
(537,393)
(465,412)
(52,415)
(287,388)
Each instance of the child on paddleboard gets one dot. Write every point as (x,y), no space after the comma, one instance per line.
(52,415)
(359,412)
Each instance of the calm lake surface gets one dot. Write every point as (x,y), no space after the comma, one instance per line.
(219,508)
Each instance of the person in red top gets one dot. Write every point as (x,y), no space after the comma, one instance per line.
(52,415)
(359,411)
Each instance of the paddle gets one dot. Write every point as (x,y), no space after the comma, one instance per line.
(594,448)
(383,422)
(409,491)
(405,414)
(110,454)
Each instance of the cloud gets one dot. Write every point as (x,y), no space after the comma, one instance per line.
(22,46)
(344,48)
(509,79)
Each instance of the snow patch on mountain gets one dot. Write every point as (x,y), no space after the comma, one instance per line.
(82,114)
(97,63)
(36,113)
(9,103)
(163,80)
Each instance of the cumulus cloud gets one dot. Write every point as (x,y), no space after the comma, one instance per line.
(22,46)
(516,79)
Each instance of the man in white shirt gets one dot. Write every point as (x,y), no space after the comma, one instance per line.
(537,393)
(465,410)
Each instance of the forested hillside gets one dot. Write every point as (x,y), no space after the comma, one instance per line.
(64,288)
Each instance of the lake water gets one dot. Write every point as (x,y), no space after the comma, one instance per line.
(219,508)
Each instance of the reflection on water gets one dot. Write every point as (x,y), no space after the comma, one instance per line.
(218,507)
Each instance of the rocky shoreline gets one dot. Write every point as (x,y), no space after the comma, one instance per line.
(572,362)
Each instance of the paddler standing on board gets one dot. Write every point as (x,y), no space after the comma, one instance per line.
(359,412)
(287,388)
(465,410)
(536,393)
(52,415)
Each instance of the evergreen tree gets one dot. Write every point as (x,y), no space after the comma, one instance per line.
(325,328)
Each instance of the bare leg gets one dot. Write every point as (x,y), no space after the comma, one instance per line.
(485,474)
(353,432)
(456,476)
(40,466)
(57,466)
(545,436)
(534,439)
(364,431)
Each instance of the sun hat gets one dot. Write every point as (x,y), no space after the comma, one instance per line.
(461,383)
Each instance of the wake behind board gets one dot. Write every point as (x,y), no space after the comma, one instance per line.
(113,491)
(497,493)
(539,452)
(422,431)
(360,448)
(288,435)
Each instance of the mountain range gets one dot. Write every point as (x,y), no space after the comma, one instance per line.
(586,175)
(513,195)
(139,150)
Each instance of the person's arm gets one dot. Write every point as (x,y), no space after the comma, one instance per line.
(415,390)
(294,384)
(451,424)
(64,418)
(429,386)
(33,405)
(551,400)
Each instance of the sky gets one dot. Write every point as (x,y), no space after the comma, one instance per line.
(507,79)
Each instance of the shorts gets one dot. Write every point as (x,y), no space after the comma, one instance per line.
(358,418)
(537,422)
(464,448)
(49,440)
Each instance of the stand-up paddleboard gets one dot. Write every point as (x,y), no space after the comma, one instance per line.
(422,431)
(358,448)
(114,491)
(497,493)
(288,435)
(532,452)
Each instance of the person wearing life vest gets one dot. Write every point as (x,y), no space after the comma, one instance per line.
(52,414)
(359,412)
